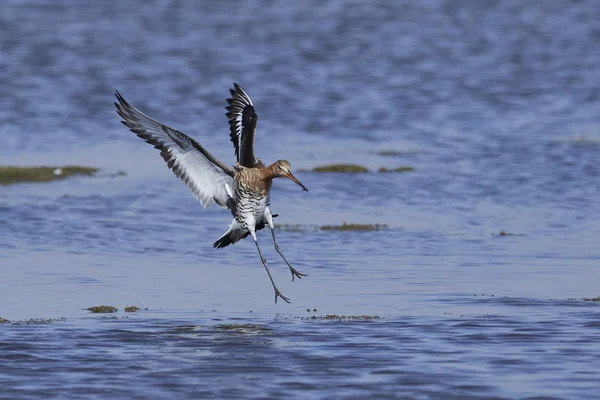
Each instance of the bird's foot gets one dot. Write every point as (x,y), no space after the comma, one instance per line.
(278,294)
(295,273)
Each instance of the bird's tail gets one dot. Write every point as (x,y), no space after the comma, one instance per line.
(235,234)
(232,236)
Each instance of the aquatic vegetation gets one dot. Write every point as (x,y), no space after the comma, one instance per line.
(591,298)
(392,153)
(243,328)
(187,328)
(354,168)
(103,309)
(354,227)
(10,175)
(503,233)
(594,299)
(344,227)
(344,318)
(131,309)
(350,168)
(35,321)
(398,169)
(296,227)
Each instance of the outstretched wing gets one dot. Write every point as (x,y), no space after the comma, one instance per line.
(242,125)
(206,176)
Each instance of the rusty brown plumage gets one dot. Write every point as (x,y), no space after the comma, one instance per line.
(259,180)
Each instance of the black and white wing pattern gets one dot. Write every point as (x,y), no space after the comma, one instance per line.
(207,177)
(242,125)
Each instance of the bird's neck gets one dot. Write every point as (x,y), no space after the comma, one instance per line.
(270,173)
(258,180)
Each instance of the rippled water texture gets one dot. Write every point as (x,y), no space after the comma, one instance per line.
(495,104)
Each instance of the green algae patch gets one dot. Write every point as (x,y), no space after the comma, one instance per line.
(10,175)
(348,168)
(355,168)
(398,169)
(591,298)
(38,321)
(393,153)
(344,318)
(186,328)
(4,321)
(354,227)
(504,233)
(131,309)
(103,309)
(243,328)
(296,227)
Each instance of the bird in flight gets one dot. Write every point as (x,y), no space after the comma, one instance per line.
(244,189)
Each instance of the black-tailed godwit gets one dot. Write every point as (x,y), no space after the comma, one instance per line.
(244,189)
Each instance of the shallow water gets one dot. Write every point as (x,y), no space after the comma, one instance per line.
(494,104)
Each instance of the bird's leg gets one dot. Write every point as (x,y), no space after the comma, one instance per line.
(293,270)
(264,261)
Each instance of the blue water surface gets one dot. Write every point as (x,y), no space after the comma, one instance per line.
(495,104)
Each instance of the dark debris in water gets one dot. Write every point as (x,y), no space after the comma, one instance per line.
(354,227)
(131,309)
(10,175)
(103,309)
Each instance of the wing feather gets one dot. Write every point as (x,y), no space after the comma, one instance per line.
(242,125)
(204,175)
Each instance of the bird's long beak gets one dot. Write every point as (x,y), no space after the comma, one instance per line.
(293,178)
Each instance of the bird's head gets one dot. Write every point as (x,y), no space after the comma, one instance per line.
(282,169)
